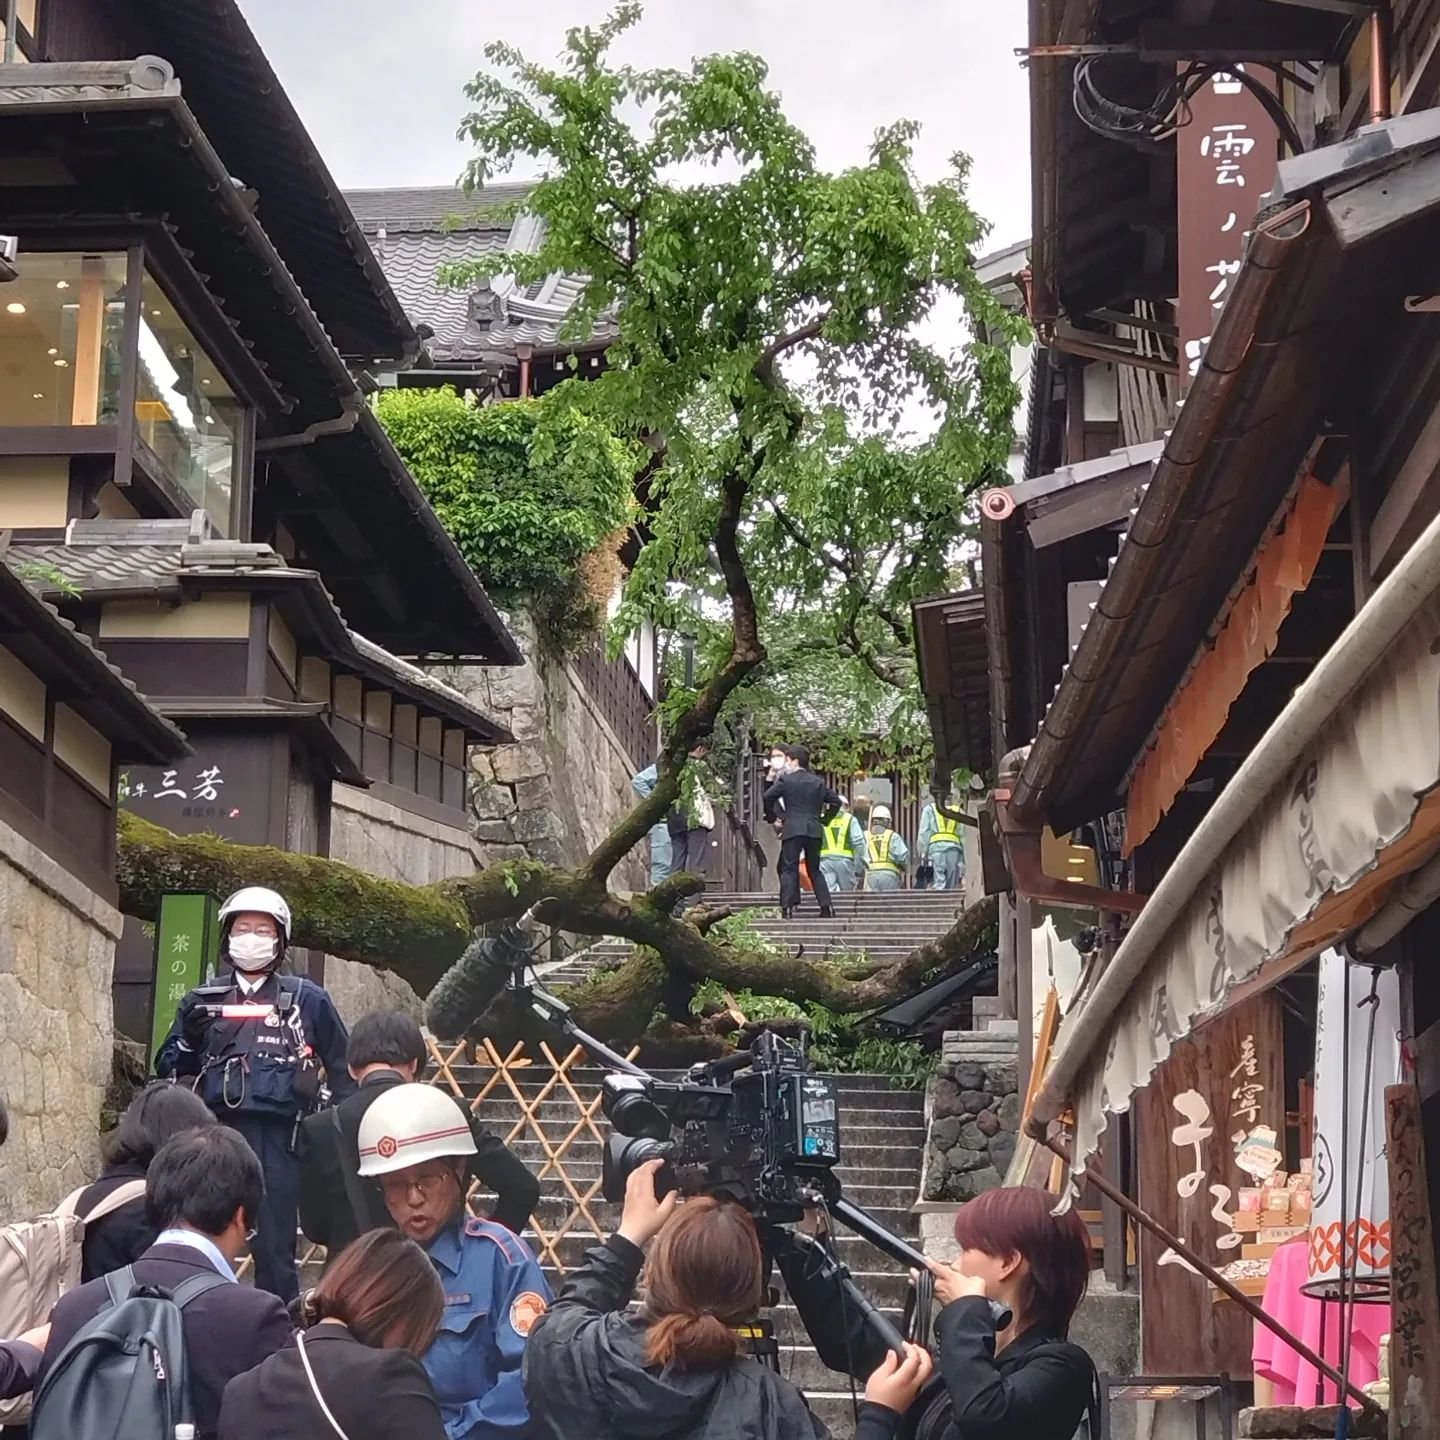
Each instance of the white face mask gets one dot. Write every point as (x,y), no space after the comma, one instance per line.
(253,952)
(777,763)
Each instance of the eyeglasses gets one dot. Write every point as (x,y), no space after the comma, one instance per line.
(398,1187)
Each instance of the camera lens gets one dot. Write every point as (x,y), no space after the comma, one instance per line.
(624,1154)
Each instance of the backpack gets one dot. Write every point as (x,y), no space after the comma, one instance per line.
(123,1376)
(39,1261)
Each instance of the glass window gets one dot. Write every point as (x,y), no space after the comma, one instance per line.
(61,326)
(184,409)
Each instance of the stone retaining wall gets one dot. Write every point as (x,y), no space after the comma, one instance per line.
(382,839)
(565,783)
(57,958)
(973,1114)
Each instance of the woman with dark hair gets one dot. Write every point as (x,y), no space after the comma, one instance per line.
(1025,1377)
(674,1371)
(120,1238)
(356,1371)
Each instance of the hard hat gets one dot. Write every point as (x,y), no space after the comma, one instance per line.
(880,812)
(410,1124)
(257,900)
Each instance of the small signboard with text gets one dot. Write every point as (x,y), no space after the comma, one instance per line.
(187,940)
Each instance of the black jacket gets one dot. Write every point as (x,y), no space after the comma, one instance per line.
(228,1330)
(326,1214)
(123,1236)
(808,801)
(373,1394)
(18,1364)
(1037,1387)
(586,1375)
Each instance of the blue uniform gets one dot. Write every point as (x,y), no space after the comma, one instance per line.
(494,1294)
(254,1075)
(662,852)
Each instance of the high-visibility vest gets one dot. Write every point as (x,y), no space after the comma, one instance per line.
(945,829)
(836,844)
(880,852)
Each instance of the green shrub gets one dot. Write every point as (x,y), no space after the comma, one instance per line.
(535,493)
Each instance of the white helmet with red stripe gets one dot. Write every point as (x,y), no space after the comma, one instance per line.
(410,1124)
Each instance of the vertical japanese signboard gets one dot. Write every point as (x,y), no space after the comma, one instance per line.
(187,935)
(1212,1119)
(1225,162)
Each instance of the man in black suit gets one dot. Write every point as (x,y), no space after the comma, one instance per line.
(203,1190)
(386,1049)
(809,802)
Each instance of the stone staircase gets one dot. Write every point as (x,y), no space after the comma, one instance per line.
(886,925)
(882,1142)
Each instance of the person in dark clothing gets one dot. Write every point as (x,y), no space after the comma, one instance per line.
(1026,1379)
(376,1311)
(808,803)
(387,1049)
(203,1189)
(20,1360)
(120,1238)
(673,1371)
(257,1062)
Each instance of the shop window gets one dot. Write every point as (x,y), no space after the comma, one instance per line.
(61,327)
(27,32)
(185,411)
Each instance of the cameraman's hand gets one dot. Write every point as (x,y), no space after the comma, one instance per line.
(951,1283)
(644,1216)
(897,1382)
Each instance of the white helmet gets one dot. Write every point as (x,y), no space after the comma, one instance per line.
(410,1124)
(257,900)
(880,812)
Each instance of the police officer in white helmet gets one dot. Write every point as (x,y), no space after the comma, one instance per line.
(253,1044)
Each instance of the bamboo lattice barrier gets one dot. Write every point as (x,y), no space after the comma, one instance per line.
(578,1123)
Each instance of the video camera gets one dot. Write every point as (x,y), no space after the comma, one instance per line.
(769,1139)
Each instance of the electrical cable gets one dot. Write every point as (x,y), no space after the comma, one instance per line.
(830,1246)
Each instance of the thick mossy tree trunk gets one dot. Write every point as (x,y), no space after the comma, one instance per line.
(420,931)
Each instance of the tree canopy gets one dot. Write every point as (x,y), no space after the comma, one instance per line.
(769,348)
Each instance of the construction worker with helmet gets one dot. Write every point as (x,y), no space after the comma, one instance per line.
(941,842)
(253,1043)
(415,1142)
(886,853)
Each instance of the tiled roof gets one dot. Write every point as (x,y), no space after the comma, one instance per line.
(153,736)
(132,564)
(437,207)
(416,231)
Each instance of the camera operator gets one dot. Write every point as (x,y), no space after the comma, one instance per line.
(674,1370)
(996,1379)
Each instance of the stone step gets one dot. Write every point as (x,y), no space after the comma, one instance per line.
(859,1256)
(857,1161)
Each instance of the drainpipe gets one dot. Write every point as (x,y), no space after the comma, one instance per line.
(1379,63)
(11,20)
(341,424)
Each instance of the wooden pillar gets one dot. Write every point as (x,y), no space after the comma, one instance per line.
(89,342)
(1414,1299)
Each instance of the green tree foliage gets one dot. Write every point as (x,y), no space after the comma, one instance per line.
(770,319)
(529,489)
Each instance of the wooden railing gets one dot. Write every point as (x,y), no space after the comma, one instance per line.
(617,693)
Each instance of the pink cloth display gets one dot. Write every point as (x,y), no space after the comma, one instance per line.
(1295,1379)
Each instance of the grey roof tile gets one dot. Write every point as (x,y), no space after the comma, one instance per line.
(432,226)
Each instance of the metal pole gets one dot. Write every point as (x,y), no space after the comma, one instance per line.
(11,20)
(1248,1305)
(1380,62)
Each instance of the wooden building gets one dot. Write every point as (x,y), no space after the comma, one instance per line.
(1216,672)
(189,464)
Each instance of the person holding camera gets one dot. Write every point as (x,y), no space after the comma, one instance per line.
(674,1370)
(1025,1377)
(252,1046)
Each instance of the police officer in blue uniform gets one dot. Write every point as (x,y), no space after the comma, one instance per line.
(415,1141)
(253,1044)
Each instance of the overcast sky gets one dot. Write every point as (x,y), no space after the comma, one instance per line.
(379,84)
